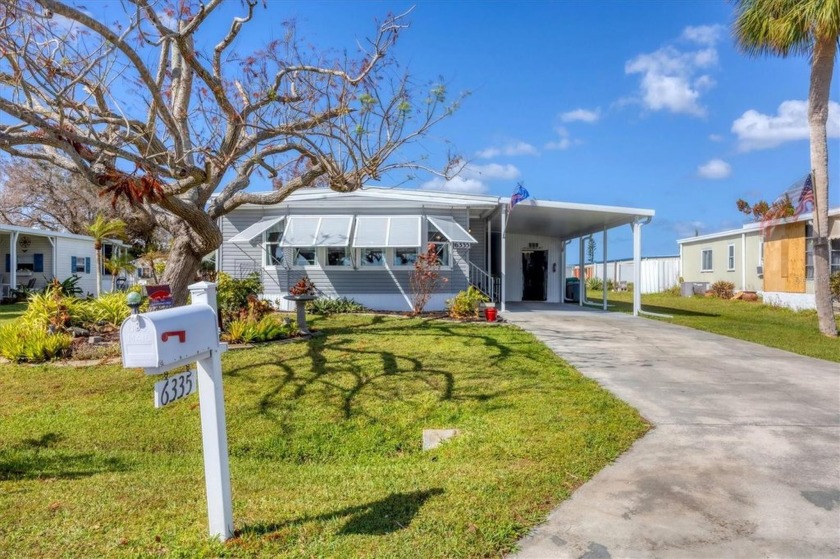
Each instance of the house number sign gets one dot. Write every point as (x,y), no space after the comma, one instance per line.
(175,388)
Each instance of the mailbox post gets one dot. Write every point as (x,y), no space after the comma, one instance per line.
(214,427)
(163,340)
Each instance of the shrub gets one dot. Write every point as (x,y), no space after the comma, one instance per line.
(465,303)
(50,309)
(232,294)
(256,309)
(425,278)
(594,284)
(26,342)
(723,289)
(834,285)
(267,329)
(611,285)
(674,290)
(326,306)
(68,287)
(110,308)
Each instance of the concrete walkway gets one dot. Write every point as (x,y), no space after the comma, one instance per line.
(743,461)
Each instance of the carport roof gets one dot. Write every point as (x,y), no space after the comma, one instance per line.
(567,220)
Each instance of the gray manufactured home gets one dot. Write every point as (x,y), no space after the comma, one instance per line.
(363,245)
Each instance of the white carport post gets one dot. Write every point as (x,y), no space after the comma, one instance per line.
(604,282)
(504,256)
(490,252)
(637,266)
(581,275)
(13,260)
(562,271)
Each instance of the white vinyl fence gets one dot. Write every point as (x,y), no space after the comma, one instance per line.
(658,274)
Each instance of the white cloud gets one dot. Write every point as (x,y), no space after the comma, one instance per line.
(563,142)
(703,34)
(510,149)
(473,178)
(581,115)
(456,184)
(790,123)
(674,80)
(715,169)
(716,137)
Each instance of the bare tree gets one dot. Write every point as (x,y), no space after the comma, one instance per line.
(37,194)
(137,107)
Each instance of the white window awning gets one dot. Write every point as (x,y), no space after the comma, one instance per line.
(255,230)
(387,232)
(450,229)
(317,231)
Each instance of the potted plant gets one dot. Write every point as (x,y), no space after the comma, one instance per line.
(303,288)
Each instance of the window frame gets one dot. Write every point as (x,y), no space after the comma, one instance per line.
(348,252)
(266,246)
(809,252)
(296,252)
(711,268)
(730,257)
(393,258)
(832,251)
(362,262)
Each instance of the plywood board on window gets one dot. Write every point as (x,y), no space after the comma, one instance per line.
(784,259)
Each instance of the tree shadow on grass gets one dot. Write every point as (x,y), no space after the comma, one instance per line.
(377,518)
(627,307)
(37,459)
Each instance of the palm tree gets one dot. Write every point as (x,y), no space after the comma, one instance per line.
(102,229)
(810,27)
(116,264)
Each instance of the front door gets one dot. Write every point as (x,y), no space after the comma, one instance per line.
(534,271)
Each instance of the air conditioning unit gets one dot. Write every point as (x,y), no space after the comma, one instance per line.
(759,270)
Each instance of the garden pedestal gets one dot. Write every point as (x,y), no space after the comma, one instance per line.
(300,309)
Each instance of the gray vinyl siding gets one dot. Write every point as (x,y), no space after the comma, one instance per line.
(478,252)
(238,260)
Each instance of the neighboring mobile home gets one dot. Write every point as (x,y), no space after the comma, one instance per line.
(35,256)
(780,267)
(363,245)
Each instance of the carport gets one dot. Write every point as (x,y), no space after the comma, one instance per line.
(551,227)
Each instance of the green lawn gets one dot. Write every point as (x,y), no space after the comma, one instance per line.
(11,312)
(325,448)
(771,326)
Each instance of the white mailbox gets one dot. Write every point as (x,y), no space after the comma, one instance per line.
(162,340)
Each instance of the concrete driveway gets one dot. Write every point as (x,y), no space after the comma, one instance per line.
(743,461)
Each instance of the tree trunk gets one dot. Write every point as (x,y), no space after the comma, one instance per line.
(192,241)
(181,268)
(822,67)
(98,271)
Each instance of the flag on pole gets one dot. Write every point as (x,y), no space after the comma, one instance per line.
(806,196)
(518,195)
(790,204)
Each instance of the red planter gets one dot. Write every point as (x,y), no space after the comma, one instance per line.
(490,314)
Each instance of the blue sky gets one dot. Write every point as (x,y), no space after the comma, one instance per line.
(644,104)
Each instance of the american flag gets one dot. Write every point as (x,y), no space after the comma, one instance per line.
(518,195)
(806,196)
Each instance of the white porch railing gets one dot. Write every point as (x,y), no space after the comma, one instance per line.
(484,282)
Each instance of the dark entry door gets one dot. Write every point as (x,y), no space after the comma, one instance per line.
(534,270)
